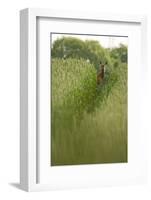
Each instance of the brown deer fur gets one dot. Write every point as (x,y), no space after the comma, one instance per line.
(100,75)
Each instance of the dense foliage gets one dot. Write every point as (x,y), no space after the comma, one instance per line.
(74,86)
(75,90)
(71,47)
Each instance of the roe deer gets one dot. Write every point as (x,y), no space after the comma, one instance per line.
(100,74)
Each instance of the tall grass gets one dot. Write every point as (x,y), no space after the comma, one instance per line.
(80,134)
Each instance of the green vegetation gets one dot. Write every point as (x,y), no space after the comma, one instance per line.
(89,121)
(71,47)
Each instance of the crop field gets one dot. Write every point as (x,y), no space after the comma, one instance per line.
(89,120)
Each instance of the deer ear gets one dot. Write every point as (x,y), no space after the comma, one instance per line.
(106,63)
(100,62)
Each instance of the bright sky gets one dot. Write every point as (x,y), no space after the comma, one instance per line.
(105,41)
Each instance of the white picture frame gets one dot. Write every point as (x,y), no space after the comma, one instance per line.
(30,164)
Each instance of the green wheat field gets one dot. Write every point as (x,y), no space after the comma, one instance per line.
(88,120)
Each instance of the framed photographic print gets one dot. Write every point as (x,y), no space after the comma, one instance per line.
(82,88)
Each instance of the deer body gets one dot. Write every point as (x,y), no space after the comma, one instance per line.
(100,75)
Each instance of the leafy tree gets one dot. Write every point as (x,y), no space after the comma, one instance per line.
(119,54)
(72,47)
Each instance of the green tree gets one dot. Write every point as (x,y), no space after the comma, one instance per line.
(72,47)
(119,54)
